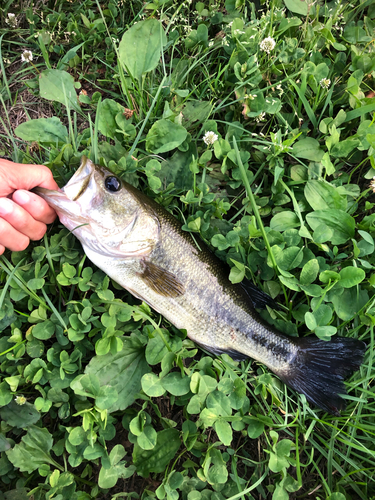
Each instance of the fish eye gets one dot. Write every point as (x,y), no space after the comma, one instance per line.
(112,183)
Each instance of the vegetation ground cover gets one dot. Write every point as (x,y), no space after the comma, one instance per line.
(254,125)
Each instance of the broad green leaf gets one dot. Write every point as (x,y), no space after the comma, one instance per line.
(341,223)
(349,303)
(44,330)
(77,436)
(107,117)
(90,385)
(325,276)
(289,258)
(325,332)
(219,241)
(108,476)
(152,385)
(141,46)
(202,384)
(56,85)
(94,452)
(177,169)
(219,403)
(19,415)
(284,220)
(195,111)
(175,384)
(291,283)
(344,148)
(6,395)
(337,496)
(308,148)
(217,472)
(148,438)
(355,34)
(238,395)
(156,349)
(223,431)
(35,283)
(321,195)
(208,417)
(106,397)
(278,460)
(322,233)
(45,130)
(236,275)
(4,443)
(351,276)
(323,315)
(164,136)
(313,290)
(7,316)
(309,272)
(156,460)
(280,493)
(33,451)
(123,371)
(297,6)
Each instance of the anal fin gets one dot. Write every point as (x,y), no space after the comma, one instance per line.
(235,355)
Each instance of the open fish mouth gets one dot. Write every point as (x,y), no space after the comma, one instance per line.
(64,200)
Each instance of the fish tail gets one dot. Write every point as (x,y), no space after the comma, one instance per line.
(319,368)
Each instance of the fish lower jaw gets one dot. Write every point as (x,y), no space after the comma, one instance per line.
(69,222)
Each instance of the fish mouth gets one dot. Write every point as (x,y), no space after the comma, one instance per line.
(64,200)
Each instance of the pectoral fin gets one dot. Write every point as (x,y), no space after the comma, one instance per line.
(161,281)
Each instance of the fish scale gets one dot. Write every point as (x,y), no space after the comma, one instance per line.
(142,246)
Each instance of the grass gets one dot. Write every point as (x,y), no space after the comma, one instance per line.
(284,196)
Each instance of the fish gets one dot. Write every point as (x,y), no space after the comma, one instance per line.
(142,246)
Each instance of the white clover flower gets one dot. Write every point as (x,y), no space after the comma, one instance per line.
(325,83)
(27,56)
(11,20)
(261,117)
(20,400)
(210,137)
(372,184)
(267,44)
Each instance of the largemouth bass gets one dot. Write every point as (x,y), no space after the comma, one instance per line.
(143,248)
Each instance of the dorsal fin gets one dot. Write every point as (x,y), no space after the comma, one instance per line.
(258,298)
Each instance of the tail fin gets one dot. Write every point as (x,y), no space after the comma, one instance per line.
(319,369)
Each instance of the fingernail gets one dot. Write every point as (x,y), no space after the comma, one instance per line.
(23,197)
(6,206)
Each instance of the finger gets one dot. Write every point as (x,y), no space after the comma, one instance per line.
(22,176)
(20,220)
(35,206)
(11,238)
(2,249)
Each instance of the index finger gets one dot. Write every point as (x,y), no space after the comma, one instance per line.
(24,176)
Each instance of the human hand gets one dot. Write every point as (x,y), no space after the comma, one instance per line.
(23,215)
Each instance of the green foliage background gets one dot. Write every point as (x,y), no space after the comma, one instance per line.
(99,396)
